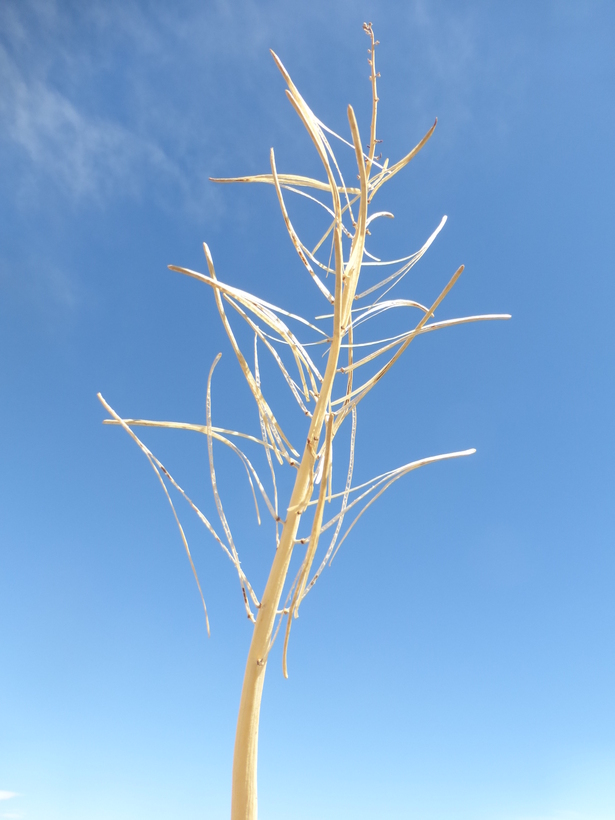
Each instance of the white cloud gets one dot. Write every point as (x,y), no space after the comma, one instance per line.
(74,119)
(56,119)
(85,155)
(4,795)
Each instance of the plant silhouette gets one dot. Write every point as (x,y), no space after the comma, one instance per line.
(329,400)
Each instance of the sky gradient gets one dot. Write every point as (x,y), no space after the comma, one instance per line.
(457,662)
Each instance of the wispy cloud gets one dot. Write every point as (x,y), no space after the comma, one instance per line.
(106,100)
(59,119)
(84,155)
(99,102)
(5,795)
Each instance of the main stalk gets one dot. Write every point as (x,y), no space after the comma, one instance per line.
(244,795)
(244,790)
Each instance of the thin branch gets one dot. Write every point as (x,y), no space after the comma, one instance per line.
(313,541)
(267,449)
(402,472)
(215,433)
(285,179)
(292,233)
(157,468)
(345,494)
(386,174)
(410,334)
(410,262)
(265,339)
(214,487)
(361,392)
(198,428)
(274,431)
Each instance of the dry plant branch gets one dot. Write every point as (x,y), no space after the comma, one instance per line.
(325,399)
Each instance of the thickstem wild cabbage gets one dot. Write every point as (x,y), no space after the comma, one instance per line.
(329,400)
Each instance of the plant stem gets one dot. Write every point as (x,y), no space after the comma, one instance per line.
(244,795)
(244,790)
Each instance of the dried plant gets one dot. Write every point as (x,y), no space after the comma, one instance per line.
(327,399)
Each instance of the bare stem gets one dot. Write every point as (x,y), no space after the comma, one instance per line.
(244,793)
(268,323)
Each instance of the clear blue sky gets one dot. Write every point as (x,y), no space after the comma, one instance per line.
(458,660)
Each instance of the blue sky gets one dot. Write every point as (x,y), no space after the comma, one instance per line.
(457,660)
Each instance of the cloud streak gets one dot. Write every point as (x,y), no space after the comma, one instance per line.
(57,118)
(85,156)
